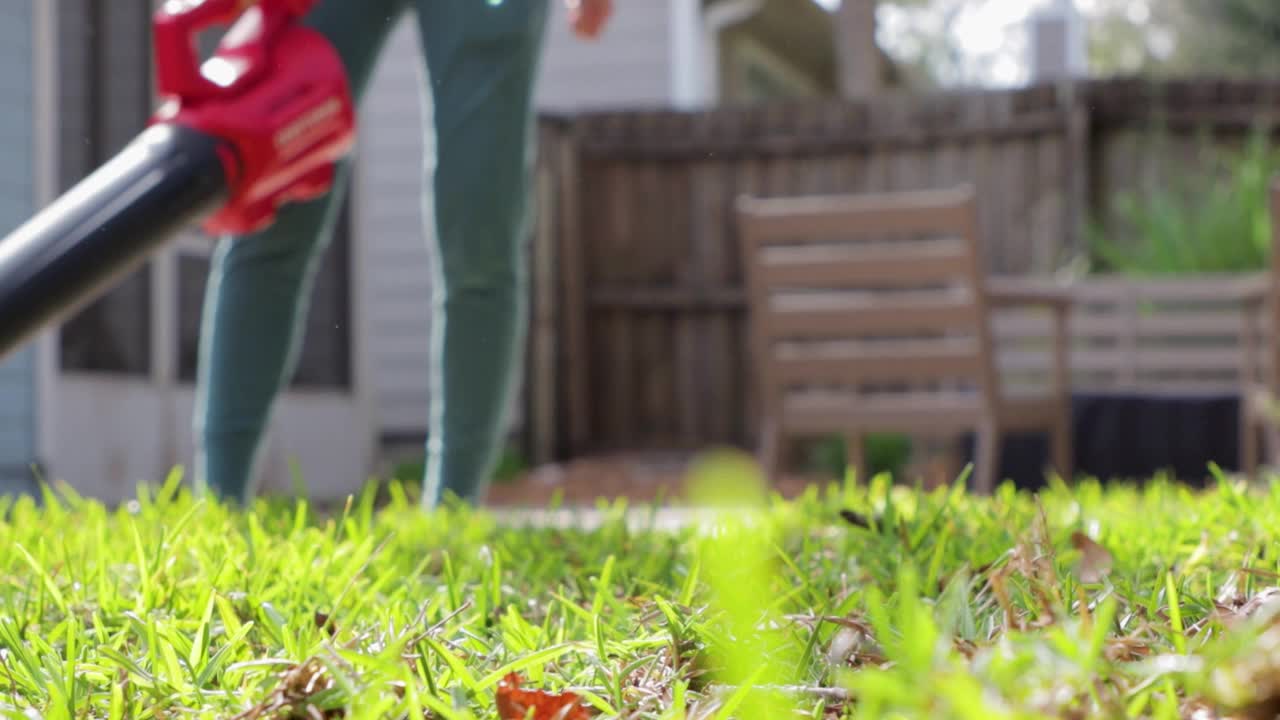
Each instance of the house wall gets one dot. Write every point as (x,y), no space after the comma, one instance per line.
(17,374)
(390,223)
(629,65)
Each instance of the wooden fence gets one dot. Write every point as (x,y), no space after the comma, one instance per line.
(637,332)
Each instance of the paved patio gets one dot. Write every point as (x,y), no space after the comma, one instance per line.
(638,519)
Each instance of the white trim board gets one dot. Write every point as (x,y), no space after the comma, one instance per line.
(45,92)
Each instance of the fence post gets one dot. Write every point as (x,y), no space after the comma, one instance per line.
(573,301)
(541,380)
(1078,169)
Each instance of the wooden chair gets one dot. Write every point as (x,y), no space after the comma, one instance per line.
(869,313)
(1260,295)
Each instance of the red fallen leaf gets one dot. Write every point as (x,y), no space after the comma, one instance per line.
(515,703)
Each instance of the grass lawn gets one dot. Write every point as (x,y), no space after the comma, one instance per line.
(863,601)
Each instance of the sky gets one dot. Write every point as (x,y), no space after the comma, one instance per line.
(987,33)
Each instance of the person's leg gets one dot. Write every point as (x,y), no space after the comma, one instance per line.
(259,287)
(482,59)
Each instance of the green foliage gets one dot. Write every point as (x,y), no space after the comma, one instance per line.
(1237,35)
(1183,37)
(1152,38)
(884,452)
(1151,41)
(1216,220)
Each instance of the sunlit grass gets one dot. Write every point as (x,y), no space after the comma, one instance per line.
(862,601)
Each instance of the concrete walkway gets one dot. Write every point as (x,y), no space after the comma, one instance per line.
(587,518)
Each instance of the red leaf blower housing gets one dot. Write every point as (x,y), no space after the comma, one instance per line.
(260,124)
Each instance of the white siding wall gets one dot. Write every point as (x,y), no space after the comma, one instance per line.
(629,65)
(391,225)
(17,377)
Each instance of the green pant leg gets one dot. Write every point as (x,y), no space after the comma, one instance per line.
(482,58)
(259,287)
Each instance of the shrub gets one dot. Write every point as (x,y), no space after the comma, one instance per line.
(1211,221)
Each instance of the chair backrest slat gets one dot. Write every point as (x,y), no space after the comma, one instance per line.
(830,319)
(870,289)
(874,265)
(875,214)
(881,362)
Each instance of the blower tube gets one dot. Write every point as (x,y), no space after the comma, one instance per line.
(260,124)
(106,226)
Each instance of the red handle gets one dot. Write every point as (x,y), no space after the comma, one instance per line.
(177,23)
(275,92)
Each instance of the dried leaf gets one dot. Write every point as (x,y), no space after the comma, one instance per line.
(515,703)
(324,622)
(1233,608)
(1096,560)
(1130,648)
(855,519)
(292,697)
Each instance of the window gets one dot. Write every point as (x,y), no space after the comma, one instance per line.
(193,273)
(105,101)
(325,359)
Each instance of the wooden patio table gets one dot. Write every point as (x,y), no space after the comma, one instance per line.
(1135,431)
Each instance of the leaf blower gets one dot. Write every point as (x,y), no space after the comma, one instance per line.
(259,124)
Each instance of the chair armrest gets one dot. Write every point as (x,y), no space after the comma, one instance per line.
(1251,292)
(1010,292)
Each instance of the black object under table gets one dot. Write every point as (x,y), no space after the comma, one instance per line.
(1132,436)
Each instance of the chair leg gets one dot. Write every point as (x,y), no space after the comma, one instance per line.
(856,455)
(952,460)
(1270,446)
(770,451)
(1248,438)
(987,459)
(1063,452)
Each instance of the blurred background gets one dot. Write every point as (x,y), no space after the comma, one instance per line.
(1107,138)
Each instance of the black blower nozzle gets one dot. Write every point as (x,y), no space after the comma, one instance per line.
(107,225)
(222,154)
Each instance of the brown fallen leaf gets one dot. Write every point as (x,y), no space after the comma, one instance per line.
(1095,563)
(1233,608)
(324,622)
(515,703)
